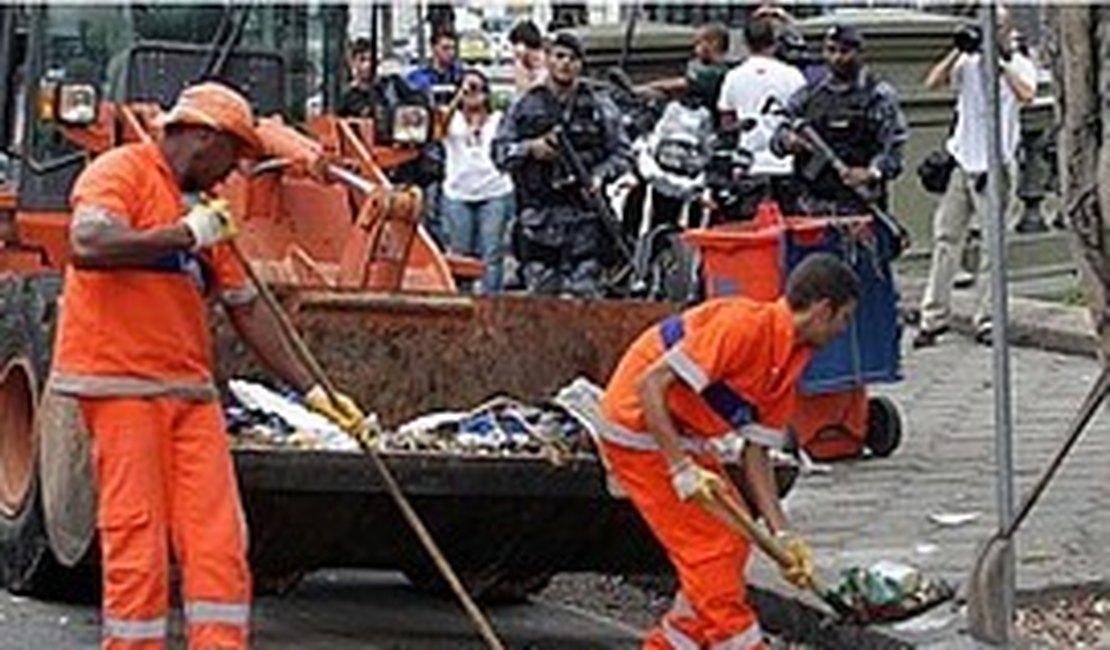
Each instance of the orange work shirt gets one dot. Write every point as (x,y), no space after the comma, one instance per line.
(130,331)
(745,347)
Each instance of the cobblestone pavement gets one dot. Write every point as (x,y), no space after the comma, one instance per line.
(871,509)
(879,508)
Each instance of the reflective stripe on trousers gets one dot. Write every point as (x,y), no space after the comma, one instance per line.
(683,612)
(681,609)
(163,469)
(708,556)
(152,629)
(201,611)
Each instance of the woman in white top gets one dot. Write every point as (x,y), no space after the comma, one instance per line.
(478,199)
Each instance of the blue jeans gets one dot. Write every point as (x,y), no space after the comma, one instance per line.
(477,229)
(433,213)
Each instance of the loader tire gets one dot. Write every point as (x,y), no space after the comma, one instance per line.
(27,565)
(491,585)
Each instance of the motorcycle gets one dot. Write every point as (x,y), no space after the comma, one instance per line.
(686,176)
(671,165)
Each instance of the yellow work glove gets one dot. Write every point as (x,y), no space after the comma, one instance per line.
(343,411)
(693,482)
(210,222)
(799,572)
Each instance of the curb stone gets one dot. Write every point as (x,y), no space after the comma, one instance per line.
(1041,324)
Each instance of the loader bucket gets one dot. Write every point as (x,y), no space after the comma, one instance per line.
(402,355)
(507,524)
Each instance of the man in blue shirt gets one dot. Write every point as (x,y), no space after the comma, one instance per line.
(439,81)
(441,77)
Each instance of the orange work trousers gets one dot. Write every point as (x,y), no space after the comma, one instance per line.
(165,478)
(711,608)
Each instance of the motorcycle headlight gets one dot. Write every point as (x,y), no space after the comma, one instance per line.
(411,125)
(679,158)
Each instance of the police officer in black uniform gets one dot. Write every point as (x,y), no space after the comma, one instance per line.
(858,116)
(559,238)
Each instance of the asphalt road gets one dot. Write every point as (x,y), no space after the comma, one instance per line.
(337,610)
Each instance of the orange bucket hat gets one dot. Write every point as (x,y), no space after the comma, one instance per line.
(218,107)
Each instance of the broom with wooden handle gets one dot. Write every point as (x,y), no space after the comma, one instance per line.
(300,349)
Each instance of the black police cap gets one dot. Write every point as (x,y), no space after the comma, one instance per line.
(569,41)
(846,35)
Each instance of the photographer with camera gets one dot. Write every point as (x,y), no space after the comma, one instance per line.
(964,198)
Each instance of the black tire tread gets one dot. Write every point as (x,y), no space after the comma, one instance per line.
(884,426)
(28,313)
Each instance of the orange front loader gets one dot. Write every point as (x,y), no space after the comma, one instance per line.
(317,211)
(376,300)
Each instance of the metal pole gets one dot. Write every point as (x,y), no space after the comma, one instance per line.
(421,46)
(996,228)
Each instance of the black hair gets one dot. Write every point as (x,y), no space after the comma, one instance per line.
(361,45)
(527,33)
(719,33)
(475,72)
(759,33)
(822,276)
(444,32)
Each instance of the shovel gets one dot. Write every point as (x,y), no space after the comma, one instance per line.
(852,610)
(985,611)
(732,513)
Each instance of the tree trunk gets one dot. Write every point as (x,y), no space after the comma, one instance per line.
(1081,66)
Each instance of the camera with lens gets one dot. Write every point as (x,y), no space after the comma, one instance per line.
(968,39)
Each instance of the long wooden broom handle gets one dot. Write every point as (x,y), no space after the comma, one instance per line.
(300,348)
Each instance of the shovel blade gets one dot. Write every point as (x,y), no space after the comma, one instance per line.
(987,613)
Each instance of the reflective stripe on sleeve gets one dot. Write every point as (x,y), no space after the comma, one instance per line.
(95,215)
(204,611)
(685,367)
(763,435)
(134,630)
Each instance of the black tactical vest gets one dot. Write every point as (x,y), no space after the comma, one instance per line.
(543,183)
(846,121)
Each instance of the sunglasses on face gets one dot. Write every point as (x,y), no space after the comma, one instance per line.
(836,48)
(476,88)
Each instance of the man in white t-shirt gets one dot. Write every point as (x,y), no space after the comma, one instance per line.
(964,199)
(748,91)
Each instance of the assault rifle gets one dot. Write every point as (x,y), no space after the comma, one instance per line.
(597,202)
(822,156)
